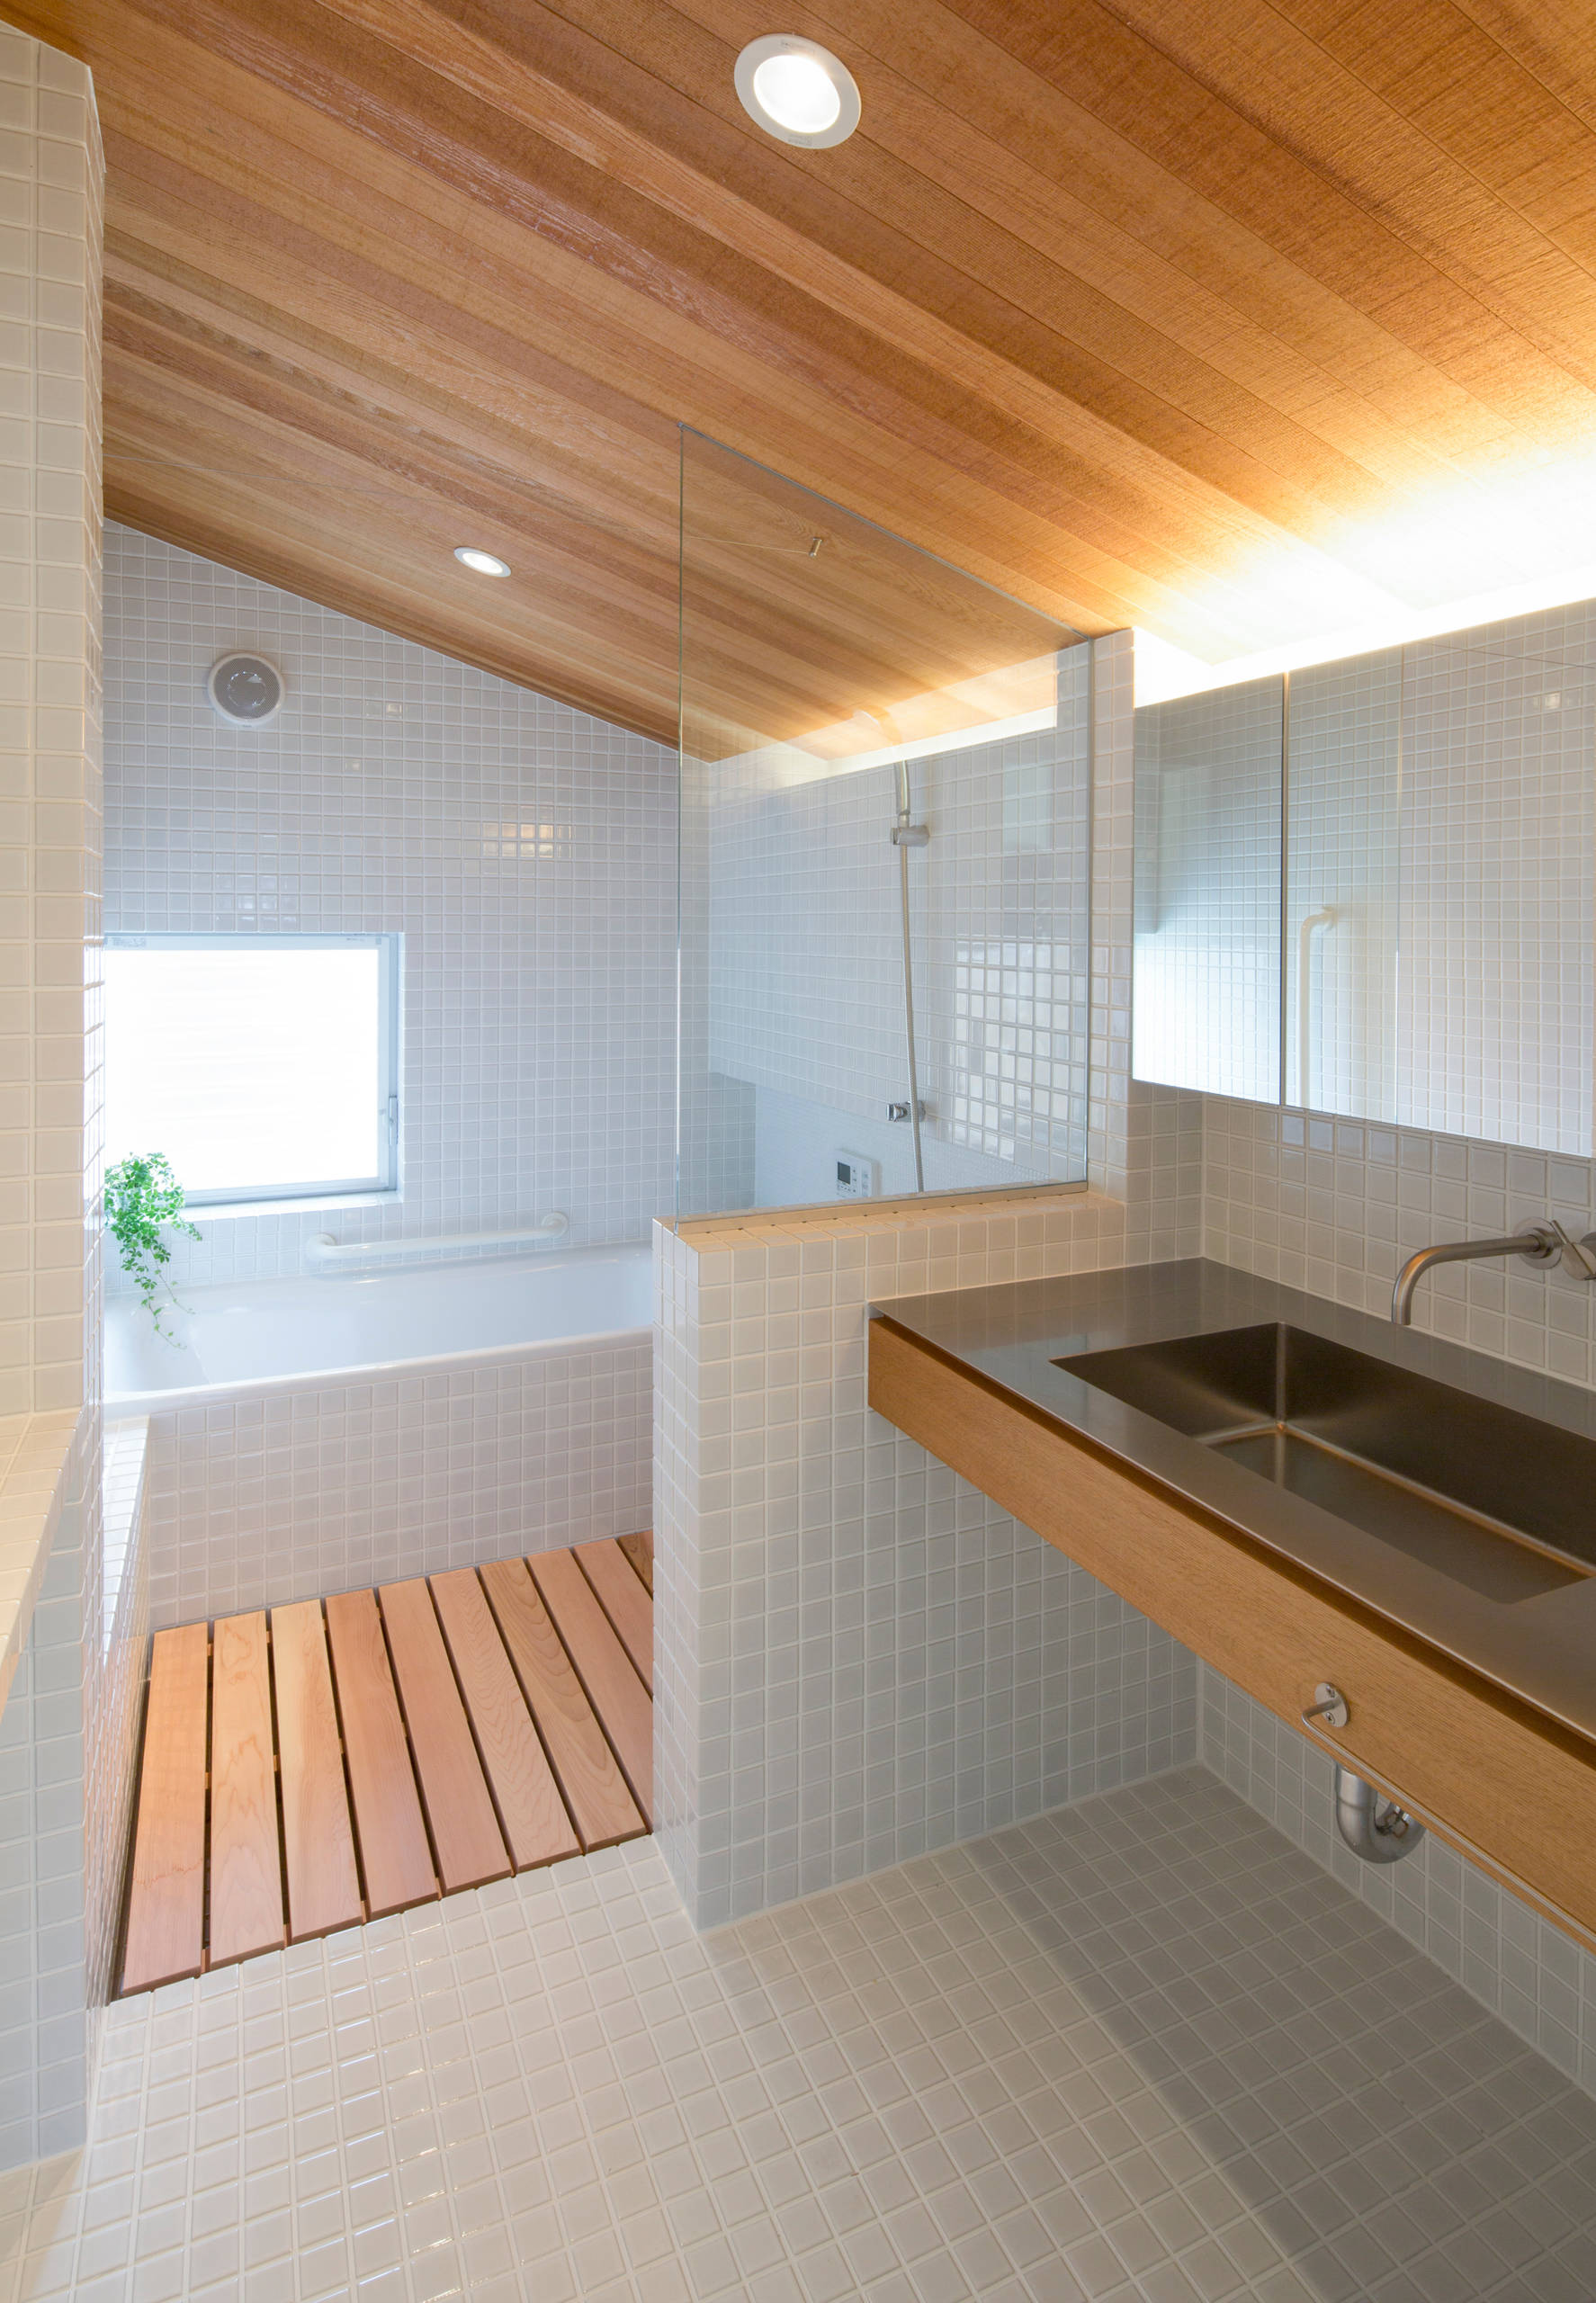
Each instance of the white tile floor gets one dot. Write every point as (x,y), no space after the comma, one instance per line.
(1143,2049)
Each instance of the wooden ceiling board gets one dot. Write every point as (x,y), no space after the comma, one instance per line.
(1224,320)
(906,397)
(1043,320)
(1337,212)
(181,423)
(282,186)
(1555,43)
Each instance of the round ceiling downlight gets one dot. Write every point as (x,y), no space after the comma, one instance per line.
(245,690)
(486,563)
(797,91)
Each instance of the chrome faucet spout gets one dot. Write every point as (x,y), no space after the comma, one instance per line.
(1538,1244)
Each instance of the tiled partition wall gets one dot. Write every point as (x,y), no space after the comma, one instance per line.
(1336,1206)
(861,1656)
(526,851)
(68,1722)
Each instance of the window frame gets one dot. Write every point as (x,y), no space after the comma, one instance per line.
(389,950)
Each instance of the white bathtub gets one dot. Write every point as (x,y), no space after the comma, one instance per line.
(309,1435)
(254,1335)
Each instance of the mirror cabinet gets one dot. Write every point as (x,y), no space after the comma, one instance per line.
(1369,888)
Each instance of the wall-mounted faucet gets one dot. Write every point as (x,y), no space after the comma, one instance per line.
(1538,1244)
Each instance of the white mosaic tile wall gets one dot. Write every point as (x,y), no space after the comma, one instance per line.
(324,1486)
(1207,881)
(50,181)
(861,1656)
(1442,809)
(65,1732)
(526,852)
(45,2001)
(1537,1979)
(68,1743)
(1337,1207)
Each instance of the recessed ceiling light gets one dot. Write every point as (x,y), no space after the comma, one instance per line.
(486,563)
(797,91)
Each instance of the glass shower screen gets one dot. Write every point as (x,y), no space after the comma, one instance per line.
(885,873)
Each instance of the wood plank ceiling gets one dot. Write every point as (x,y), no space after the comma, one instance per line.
(1240,321)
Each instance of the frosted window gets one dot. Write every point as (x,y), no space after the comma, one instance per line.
(261,1066)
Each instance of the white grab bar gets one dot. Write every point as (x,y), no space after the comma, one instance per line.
(324,1253)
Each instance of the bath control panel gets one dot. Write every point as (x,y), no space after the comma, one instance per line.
(857,1178)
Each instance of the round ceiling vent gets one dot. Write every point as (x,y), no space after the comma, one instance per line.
(246,690)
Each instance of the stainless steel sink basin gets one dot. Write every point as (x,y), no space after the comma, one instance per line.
(1495,1499)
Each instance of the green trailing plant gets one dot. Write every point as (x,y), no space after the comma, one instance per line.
(143,1198)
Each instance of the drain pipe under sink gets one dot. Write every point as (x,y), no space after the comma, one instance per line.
(1375,1829)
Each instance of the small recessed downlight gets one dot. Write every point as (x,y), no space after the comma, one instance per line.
(797,91)
(486,563)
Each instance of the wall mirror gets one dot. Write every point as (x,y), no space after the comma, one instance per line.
(1369,888)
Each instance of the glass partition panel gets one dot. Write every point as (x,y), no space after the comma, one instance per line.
(886,851)
(1206,964)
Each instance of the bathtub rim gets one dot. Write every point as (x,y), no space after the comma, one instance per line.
(179,1399)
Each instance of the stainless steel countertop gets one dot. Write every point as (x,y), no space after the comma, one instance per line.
(1542,1648)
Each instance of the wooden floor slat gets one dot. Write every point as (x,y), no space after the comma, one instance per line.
(640,1550)
(465,1832)
(602,1807)
(247,1914)
(396,1859)
(318,1843)
(166,1904)
(625,1601)
(314,1766)
(623,1705)
(530,1808)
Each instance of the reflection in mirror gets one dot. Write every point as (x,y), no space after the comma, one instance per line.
(1495,989)
(1441,852)
(1343,845)
(1207,1008)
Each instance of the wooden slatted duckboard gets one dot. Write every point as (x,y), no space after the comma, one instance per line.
(306,1767)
